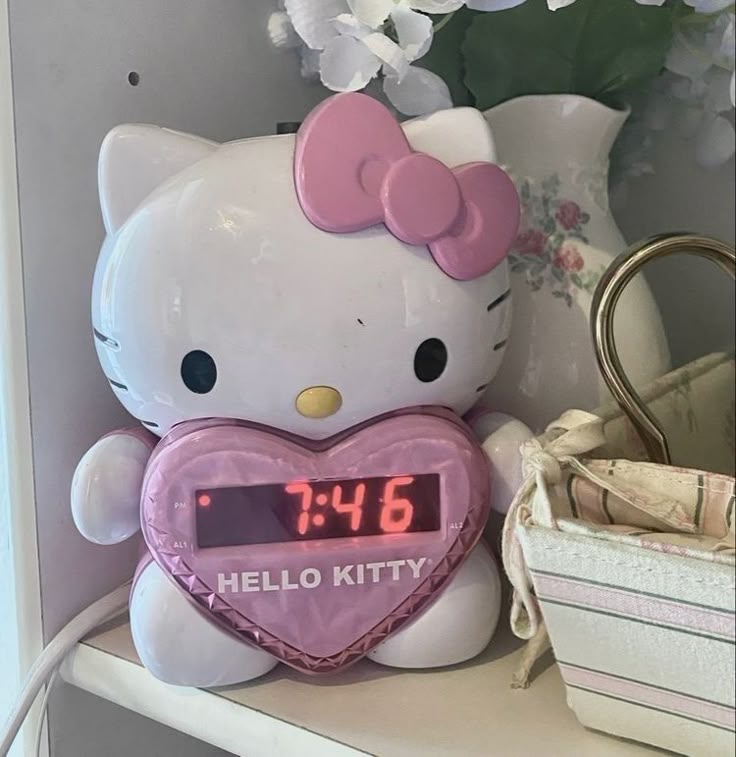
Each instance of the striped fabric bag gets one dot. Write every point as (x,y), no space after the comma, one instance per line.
(630,568)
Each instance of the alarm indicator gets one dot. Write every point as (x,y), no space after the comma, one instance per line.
(304,510)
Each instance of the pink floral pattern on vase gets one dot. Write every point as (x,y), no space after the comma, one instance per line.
(545,250)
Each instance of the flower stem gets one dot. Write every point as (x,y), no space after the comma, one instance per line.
(442,23)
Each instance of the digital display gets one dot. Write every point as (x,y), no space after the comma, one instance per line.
(305,510)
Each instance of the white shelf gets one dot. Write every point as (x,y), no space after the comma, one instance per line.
(466,710)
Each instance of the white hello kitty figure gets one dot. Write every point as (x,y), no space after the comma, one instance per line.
(216,296)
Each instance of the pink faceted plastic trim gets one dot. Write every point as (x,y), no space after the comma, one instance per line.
(330,626)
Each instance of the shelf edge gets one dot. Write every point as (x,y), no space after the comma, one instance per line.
(202,714)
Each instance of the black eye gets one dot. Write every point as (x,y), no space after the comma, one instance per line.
(430,360)
(198,371)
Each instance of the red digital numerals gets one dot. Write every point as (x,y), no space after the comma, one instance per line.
(394,514)
(397,512)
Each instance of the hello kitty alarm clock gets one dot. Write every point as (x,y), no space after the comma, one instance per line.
(300,322)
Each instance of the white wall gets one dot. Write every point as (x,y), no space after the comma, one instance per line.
(696,299)
(20,607)
(205,66)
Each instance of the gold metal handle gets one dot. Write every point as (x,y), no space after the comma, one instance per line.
(606,296)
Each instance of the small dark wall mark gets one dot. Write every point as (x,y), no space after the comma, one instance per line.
(134,78)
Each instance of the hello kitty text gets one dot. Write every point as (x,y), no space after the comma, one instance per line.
(311,578)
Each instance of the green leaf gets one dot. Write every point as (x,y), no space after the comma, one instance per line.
(576,280)
(601,49)
(445,58)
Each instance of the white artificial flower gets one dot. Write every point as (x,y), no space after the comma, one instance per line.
(726,25)
(686,58)
(281,30)
(717,94)
(311,23)
(701,83)
(312,19)
(356,54)
(345,44)
(374,13)
(708,6)
(360,49)
(555,5)
(715,142)
(496,5)
(418,93)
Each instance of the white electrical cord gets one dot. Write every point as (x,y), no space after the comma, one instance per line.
(53,655)
(42,712)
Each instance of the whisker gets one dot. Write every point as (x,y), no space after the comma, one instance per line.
(106,340)
(500,345)
(117,384)
(499,300)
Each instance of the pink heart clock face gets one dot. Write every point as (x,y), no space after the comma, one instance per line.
(315,551)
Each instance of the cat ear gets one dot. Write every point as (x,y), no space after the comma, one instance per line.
(455,136)
(134,160)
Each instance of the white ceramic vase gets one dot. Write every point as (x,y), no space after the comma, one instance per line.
(556,149)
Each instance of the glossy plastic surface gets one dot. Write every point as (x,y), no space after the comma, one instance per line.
(220,258)
(105,492)
(316,605)
(455,629)
(354,168)
(451,630)
(215,296)
(180,644)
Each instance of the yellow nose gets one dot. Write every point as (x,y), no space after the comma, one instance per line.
(318,402)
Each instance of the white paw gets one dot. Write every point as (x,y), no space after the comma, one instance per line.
(106,488)
(457,626)
(178,643)
(502,437)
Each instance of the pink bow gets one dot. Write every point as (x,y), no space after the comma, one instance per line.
(354,168)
